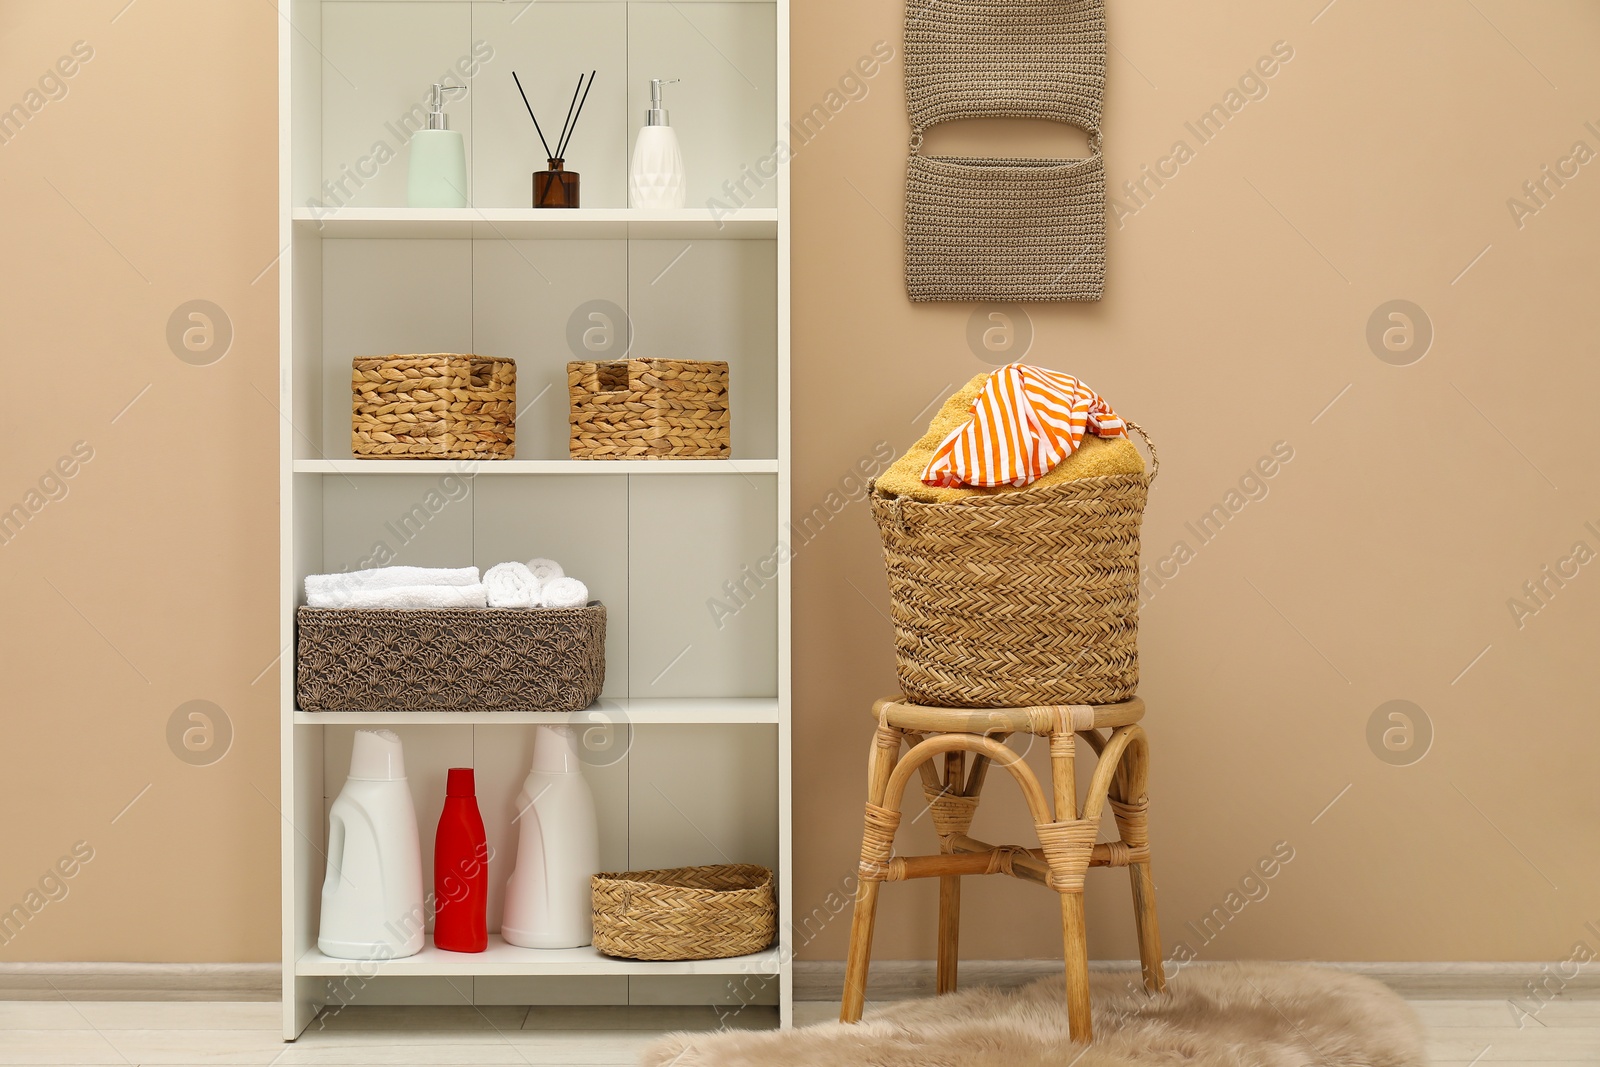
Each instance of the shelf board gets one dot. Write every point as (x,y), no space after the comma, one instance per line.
(526,223)
(716,711)
(536,466)
(500,958)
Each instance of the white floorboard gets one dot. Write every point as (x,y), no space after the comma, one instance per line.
(121,1033)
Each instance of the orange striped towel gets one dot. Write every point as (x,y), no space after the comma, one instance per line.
(1024,422)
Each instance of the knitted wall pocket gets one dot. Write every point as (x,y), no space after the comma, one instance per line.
(1005,229)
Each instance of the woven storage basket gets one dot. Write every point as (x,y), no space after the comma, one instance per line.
(649,409)
(1018,599)
(1005,229)
(435,406)
(686,913)
(450,659)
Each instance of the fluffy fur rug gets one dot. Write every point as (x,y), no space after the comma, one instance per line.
(1216,1015)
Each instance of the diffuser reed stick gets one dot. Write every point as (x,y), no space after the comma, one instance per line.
(561,139)
(531,115)
(557,186)
(562,147)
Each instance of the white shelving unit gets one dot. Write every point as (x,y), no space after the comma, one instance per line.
(690,224)
(690,742)
(537,466)
(509,960)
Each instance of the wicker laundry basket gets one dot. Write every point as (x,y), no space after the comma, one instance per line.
(450,659)
(649,409)
(435,406)
(685,913)
(1018,599)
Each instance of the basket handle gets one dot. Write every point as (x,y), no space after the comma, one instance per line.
(897,514)
(1155,457)
(589,377)
(629,382)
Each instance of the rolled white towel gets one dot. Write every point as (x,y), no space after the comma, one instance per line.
(511,585)
(564,592)
(323,586)
(545,569)
(408,596)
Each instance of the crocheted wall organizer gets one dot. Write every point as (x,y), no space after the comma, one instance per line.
(1005,229)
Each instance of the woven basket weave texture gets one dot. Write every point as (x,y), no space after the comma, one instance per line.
(649,409)
(435,406)
(685,913)
(451,659)
(1040,59)
(1017,600)
(1005,229)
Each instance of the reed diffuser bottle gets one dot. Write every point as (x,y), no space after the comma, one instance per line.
(557,186)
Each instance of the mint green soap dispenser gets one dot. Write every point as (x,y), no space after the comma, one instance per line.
(438,175)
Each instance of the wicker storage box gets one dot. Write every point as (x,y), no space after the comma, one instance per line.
(687,913)
(453,659)
(1017,599)
(649,409)
(435,406)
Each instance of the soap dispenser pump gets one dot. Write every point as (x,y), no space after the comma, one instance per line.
(656,179)
(438,175)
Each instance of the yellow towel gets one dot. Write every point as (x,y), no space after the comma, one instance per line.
(1097,457)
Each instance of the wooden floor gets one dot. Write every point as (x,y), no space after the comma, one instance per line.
(144,1034)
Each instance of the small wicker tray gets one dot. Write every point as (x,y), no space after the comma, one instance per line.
(450,659)
(649,409)
(435,406)
(685,913)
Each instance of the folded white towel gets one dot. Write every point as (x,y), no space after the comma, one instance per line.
(564,592)
(405,596)
(511,585)
(545,569)
(320,587)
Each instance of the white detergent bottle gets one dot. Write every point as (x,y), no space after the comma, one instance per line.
(548,900)
(372,895)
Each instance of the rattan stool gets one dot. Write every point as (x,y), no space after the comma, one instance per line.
(1068,836)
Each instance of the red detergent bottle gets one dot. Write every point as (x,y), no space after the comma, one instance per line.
(461,869)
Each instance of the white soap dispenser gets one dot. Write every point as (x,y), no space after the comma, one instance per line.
(656,178)
(438,175)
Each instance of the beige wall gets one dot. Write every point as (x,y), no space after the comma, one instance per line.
(1379,564)
(1377,567)
(151,583)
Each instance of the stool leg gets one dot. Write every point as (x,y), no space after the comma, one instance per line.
(1131,805)
(855,972)
(949,931)
(1076,955)
(1074,928)
(950,889)
(880,764)
(1144,918)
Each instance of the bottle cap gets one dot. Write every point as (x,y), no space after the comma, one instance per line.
(555,750)
(377,756)
(459,783)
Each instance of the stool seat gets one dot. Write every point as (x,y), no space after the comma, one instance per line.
(1043,720)
(970,740)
